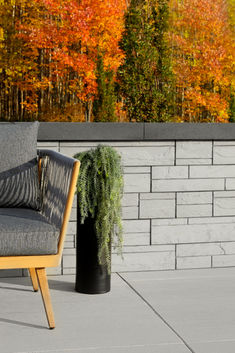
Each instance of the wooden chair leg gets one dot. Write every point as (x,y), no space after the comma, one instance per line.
(34,279)
(43,284)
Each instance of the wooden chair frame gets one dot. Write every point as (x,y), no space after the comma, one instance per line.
(38,263)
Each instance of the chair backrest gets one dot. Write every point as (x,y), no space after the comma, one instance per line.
(18,165)
(58,177)
(56,173)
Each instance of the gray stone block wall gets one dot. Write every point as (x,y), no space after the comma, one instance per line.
(178,205)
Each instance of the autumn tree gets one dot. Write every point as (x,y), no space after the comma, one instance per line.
(63,39)
(231,17)
(145,76)
(17,66)
(203,59)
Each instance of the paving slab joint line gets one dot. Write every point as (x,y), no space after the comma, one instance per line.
(157,313)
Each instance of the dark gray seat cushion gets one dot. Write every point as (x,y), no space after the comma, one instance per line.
(19,185)
(26,232)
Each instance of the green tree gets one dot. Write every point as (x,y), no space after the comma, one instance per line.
(104,104)
(145,76)
(164,74)
(232,108)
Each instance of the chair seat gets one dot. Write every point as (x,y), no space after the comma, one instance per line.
(26,232)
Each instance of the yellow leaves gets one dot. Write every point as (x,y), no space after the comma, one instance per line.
(91,75)
(222,117)
(1,34)
(9,71)
(202,59)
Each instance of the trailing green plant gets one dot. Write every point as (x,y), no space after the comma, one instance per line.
(99,192)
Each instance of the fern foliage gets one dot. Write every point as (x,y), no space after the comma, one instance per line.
(99,192)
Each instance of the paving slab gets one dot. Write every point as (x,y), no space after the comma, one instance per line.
(116,322)
(158,348)
(215,347)
(198,304)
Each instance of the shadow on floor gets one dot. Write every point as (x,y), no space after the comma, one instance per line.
(20,323)
(60,285)
(16,289)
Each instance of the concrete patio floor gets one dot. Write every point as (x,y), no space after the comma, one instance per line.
(145,312)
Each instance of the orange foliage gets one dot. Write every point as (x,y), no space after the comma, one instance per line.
(71,33)
(71,113)
(203,59)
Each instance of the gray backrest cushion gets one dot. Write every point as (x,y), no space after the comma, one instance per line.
(19,185)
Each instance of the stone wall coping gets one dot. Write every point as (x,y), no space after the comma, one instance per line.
(63,131)
(135,131)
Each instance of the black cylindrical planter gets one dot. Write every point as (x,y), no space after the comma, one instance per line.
(91,278)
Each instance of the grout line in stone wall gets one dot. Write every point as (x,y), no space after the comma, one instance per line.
(212,159)
(176,205)
(175,154)
(224,183)
(203,242)
(138,205)
(175,256)
(213,203)
(150,233)
(188,171)
(151,178)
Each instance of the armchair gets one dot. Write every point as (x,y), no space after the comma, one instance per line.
(34,238)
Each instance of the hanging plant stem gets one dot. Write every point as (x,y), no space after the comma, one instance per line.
(99,192)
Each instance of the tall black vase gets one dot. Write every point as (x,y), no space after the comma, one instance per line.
(91,277)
